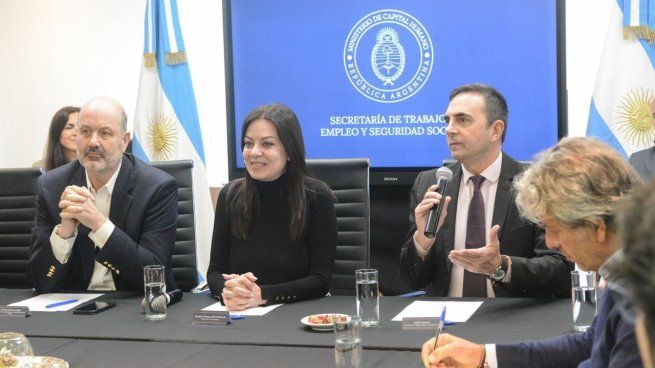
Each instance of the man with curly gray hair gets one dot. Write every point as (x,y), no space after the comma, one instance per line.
(574,192)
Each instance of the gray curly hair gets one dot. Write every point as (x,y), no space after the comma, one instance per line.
(578,182)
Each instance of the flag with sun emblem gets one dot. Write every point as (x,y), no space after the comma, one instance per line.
(623,103)
(166,124)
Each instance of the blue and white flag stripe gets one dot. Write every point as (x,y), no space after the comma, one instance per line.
(638,19)
(625,83)
(172,36)
(149,41)
(166,104)
(599,129)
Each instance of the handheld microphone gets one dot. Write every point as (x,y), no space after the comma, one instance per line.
(444,175)
(158,304)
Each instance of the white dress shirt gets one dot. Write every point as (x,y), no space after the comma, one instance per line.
(101,278)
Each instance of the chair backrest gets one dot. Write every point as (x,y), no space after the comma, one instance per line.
(17,209)
(349,180)
(184,253)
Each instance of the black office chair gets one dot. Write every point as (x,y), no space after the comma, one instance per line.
(17,209)
(349,180)
(184,253)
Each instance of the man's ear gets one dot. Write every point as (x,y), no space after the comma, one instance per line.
(497,127)
(126,140)
(601,231)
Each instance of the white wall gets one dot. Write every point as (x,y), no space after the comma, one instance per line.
(58,52)
(64,52)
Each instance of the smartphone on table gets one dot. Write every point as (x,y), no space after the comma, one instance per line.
(93,307)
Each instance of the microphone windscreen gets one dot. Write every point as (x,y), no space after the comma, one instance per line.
(445,173)
(158,304)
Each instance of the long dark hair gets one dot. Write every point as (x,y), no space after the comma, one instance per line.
(53,156)
(244,201)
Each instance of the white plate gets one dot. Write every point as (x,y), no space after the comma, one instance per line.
(40,362)
(320,326)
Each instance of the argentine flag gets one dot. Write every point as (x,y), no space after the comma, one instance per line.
(166,125)
(621,106)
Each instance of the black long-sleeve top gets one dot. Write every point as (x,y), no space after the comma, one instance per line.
(287,271)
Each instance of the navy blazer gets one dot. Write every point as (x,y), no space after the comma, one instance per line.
(644,162)
(609,342)
(143,210)
(536,270)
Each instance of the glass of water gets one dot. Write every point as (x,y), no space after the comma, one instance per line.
(368,297)
(347,342)
(583,298)
(155,289)
(15,343)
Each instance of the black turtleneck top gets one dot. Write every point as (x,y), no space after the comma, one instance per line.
(287,271)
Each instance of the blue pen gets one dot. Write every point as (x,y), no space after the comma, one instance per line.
(442,319)
(413,293)
(237,316)
(59,304)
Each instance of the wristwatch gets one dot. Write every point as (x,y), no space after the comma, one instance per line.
(498,274)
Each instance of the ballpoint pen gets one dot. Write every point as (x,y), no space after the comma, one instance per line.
(237,316)
(59,304)
(439,326)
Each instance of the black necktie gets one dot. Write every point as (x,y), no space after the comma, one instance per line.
(475,284)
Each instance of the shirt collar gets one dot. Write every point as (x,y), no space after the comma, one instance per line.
(110,184)
(491,173)
(608,268)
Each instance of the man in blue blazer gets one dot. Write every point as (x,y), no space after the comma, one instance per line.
(574,191)
(101,219)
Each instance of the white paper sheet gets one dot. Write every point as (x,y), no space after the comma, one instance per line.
(39,302)
(254,311)
(455,311)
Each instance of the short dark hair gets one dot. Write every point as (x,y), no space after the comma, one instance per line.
(246,196)
(636,223)
(53,156)
(495,103)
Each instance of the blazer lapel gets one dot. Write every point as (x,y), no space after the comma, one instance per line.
(503,193)
(121,197)
(79,177)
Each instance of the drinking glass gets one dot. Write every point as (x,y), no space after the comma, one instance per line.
(155,287)
(368,297)
(16,343)
(583,298)
(347,342)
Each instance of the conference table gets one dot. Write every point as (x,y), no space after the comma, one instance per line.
(122,337)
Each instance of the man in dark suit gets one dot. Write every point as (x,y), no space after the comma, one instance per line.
(101,219)
(509,256)
(644,161)
(574,190)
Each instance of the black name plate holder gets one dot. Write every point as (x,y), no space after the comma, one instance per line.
(420,323)
(211,318)
(18,311)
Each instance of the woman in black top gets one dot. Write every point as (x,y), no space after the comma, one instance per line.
(275,231)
